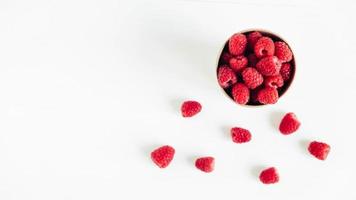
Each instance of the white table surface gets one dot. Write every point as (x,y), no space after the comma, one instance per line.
(89,87)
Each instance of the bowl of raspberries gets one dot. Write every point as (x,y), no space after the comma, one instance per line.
(255,67)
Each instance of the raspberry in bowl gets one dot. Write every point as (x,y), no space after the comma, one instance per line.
(255,67)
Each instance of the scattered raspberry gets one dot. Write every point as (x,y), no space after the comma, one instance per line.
(252,60)
(285,71)
(269,66)
(268,95)
(237,44)
(274,81)
(225,57)
(282,51)
(190,108)
(289,124)
(205,164)
(163,156)
(240,135)
(252,38)
(240,93)
(319,150)
(252,77)
(238,63)
(264,47)
(226,76)
(269,176)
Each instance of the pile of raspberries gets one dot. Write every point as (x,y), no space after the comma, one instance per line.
(255,68)
(289,124)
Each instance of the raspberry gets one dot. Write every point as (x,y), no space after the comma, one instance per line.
(237,44)
(268,95)
(240,135)
(163,156)
(264,47)
(274,81)
(238,63)
(319,150)
(190,108)
(252,77)
(285,71)
(282,51)
(225,57)
(289,124)
(252,38)
(269,176)
(240,93)
(269,66)
(226,76)
(205,164)
(252,60)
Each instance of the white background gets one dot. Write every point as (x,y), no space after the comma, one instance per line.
(88,88)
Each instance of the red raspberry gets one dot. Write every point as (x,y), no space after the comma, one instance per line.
(285,71)
(319,150)
(163,156)
(240,135)
(226,76)
(269,176)
(289,124)
(237,44)
(240,93)
(252,60)
(269,66)
(274,81)
(264,47)
(268,95)
(190,108)
(282,51)
(225,57)
(205,164)
(238,63)
(252,77)
(252,38)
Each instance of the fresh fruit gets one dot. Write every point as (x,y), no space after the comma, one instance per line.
(319,150)
(238,63)
(269,176)
(226,76)
(259,60)
(264,47)
(289,124)
(240,93)
(268,95)
(285,71)
(269,66)
(190,108)
(240,135)
(282,51)
(274,81)
(252,77)
(205,164)
(237,44)
(252,38)
(163,156)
